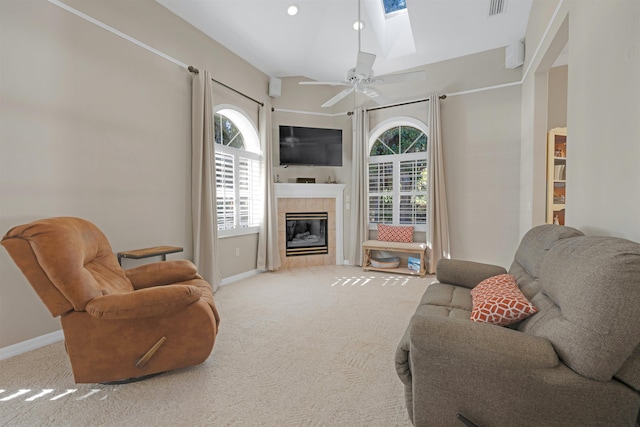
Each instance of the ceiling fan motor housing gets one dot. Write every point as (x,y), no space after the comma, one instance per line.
(353,78)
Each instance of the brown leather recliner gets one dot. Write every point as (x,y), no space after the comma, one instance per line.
(117,324)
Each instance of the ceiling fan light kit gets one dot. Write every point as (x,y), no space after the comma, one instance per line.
(361,77)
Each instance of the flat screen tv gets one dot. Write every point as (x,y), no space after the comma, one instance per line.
(305,146)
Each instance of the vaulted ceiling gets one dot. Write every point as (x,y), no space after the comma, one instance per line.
(320,43)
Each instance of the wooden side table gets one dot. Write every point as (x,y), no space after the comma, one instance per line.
(149,252)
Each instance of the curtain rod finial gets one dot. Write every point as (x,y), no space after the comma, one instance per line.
(193,70)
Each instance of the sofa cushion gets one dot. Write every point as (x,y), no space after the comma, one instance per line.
(445,300)
(497,300)
(590,303)
(390,233)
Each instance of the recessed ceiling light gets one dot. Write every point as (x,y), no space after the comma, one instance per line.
(292,10)
(358,25)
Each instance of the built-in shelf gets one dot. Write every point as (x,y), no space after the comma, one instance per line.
(556,175)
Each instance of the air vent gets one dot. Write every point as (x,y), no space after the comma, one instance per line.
(496,7)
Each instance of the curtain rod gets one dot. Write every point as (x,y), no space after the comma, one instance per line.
(311,113)
(195,71)
(403,103)
(350,113)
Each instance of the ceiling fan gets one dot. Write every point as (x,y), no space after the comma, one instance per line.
(361,77)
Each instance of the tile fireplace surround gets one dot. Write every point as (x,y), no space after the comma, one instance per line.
(312,198)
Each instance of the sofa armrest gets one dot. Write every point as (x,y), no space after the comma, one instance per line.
(402,359)
(143,303)
(465,273)
(161,273)
(479,344)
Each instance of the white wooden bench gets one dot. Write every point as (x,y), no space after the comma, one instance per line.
(409,248)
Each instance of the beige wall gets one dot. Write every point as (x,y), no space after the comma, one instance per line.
(557,97)
(603,106)
(96,127)
(481,134)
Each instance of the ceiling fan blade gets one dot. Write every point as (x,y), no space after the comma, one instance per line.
(338,97)
(324,83)
(379,97)
(364,65)
(411,76)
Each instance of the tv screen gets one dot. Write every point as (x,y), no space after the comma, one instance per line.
(310,146)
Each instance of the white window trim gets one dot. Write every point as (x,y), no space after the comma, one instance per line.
(374,134)
(246,127)
(252,151)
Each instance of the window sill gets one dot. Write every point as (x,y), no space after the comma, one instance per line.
(222,234)
(416,228)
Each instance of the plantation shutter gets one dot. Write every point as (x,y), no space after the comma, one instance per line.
(381,192)
(413,192)
(225,191)
(249,192)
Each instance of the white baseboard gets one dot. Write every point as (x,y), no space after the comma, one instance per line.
(32,344)
(245,275)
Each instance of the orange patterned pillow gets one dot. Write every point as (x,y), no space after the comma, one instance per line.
(390,233)
(499,301)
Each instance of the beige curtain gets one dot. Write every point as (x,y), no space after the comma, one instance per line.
(359,186)
(438,232)
(268,254)
(203,180)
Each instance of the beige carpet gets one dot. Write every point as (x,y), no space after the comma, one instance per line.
(305,347)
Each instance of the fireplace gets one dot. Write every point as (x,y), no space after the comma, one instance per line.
(306,233)
(298,198)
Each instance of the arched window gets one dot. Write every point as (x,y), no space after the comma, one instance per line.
(398,174)
(237,155)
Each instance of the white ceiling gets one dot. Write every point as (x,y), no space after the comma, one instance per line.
(319,42)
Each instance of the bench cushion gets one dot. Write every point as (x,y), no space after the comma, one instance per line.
(399,246)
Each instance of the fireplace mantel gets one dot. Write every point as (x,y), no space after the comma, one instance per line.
(310,190)
(319,191)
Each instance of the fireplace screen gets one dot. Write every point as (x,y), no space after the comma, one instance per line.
(307,233)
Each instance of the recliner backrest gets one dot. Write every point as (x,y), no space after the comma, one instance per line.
(68,261)
(533,248)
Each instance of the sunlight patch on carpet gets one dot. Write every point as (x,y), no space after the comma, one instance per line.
(371,280)
(46,393)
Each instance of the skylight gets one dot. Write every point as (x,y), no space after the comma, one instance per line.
(391,6)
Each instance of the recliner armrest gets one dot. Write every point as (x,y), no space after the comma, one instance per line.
(162,273)
(143,303)
(465,273)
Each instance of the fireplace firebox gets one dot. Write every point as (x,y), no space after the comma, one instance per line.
(307,233)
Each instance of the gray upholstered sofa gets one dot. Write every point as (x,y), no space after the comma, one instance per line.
(576,362)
